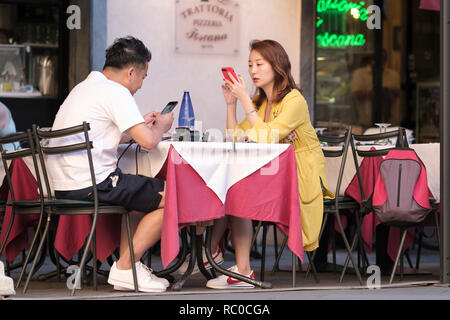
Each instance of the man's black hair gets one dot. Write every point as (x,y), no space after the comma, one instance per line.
(125,52)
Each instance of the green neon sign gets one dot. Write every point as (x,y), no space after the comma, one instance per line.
(327,40)
(358,12)
(343,6)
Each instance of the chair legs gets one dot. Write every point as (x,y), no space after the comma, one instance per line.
(349,251)
(313,267)
(294,268)
(263,259)
(86,250)
(311,260)
(399,254)
(7,232)
(278,257)
(39,249)
(131,248)
(30,250)
(85,254)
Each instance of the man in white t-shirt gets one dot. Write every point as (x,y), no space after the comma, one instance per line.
(105,100)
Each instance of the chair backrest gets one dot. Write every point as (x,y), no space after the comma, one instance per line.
(365,140)
(44,150)
(370,139)
(339,147)
(25,138)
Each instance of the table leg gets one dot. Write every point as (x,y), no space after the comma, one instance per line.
(263,259)
(180,261)
(179,284)
(200,264)
(264,285)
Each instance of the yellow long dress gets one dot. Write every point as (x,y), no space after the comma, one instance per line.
(292,114)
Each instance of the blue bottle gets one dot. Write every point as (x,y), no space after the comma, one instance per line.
(186,118)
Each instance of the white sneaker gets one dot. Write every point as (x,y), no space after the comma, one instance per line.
(218,258)
(226,282)
(154,277)
(147,281)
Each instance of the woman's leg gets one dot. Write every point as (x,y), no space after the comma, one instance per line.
(219,228)
(241,234)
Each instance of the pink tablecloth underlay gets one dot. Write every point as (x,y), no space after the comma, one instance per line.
(267,198)
(25,188)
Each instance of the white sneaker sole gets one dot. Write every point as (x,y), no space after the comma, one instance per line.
(119,288)
(242,285)
(124,286)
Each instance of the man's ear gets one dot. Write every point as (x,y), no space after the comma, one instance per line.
(130,72)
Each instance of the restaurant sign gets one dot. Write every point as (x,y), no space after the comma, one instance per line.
(340,10)
(209,27)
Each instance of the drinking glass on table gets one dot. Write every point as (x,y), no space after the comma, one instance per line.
(383,127)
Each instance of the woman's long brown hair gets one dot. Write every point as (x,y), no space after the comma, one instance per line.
(275,54)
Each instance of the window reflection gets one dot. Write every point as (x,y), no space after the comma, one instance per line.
(408,90)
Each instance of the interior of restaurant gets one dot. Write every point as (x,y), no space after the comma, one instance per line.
(407,48)
(33,60)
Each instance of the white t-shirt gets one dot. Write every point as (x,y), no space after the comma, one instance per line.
(110,109)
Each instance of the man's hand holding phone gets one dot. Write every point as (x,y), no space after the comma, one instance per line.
(164,121)
(150,118)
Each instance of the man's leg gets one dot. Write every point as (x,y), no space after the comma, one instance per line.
(145,232)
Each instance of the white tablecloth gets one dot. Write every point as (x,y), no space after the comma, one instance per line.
(428,153)
(151,161)
(220,165)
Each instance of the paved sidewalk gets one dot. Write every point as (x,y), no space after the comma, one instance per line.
(416,285)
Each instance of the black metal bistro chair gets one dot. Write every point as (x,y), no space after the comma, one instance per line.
(74,207)
(330,206)
(21,207)
(355,142)
(336,146)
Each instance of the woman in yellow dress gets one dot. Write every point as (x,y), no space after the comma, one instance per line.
(277,114)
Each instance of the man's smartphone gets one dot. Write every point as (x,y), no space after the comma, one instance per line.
(227,76)
(169,107)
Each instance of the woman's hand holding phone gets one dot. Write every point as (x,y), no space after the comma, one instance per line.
(237,88)
(234,86)
(230,99)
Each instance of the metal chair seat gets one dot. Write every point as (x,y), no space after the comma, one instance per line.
(86,208)
(67,203)
(24,203)
(342,200)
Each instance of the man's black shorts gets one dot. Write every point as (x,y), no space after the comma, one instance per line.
(134,192)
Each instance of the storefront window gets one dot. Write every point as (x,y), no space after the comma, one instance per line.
(366,76)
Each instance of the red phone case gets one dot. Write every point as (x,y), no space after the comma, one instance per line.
(230,70)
